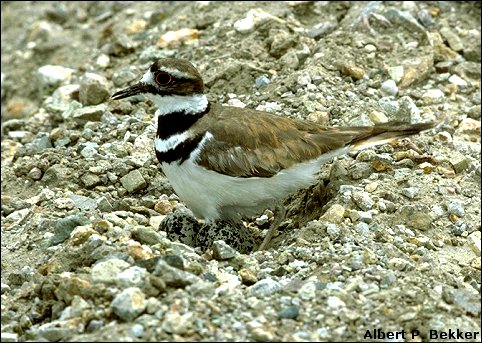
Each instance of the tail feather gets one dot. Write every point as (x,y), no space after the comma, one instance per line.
(386,133)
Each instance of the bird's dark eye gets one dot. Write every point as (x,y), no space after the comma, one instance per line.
(163,78)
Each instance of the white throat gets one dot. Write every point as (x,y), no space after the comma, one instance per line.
(189,104)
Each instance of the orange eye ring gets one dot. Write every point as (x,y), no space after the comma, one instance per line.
(163,79)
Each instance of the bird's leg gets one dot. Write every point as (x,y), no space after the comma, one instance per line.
(279,216)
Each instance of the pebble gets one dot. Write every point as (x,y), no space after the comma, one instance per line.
(90,180)
(248,277)
(121,45)
(132,276)
(433,96)
(260,221)
(52,76)
(5,288)
(146,235)
(456,208)
(371,187)
(332,230)
(335,302)
(9,337)
(59,330)
(222,251)
(405,19)
(40,143)
(103,61)
(129,304)
(65,226)
(155,221)
(152,53)
(425,18)
(378,117)
(76,308)
(253,18)
(133,182)
(89,149)
(408,110)
(83,203)
(262,81)
(415,216)
(264,287)
(389,87)
(474,242)
(444,136)
(94,89)
(469,126)
(174,277)
(396,73)
(362,228)
(270,106)
(458,81)
(137,330)
(174,38)
(363,200)
(261,334)
(35,173)
(389,106)
(351,70)
(334,214)
(289,312)
(179,324)
(322,29)
(410,192)
(64,203)
(106,271)
(370,48)
(452,38)
(307,291)
(163,206)
(236,103)
(397,263)
(81,115)
(459,161)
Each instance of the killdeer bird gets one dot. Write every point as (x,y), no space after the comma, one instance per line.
(225,162)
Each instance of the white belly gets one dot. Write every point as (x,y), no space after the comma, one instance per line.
(212,196)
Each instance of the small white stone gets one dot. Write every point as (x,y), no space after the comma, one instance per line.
(129,304)
(335,302)
(133,276)
(236,103)
(9,337)
(433,96)
(396,73)
(474,242)
(410,192)
(457,80)
(106,271)
(54,75)
(103,61)
(389,87)
(64,203)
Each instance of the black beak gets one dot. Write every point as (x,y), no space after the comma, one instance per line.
(138,88)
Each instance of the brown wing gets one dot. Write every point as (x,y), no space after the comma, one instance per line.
(274,143)
(253,143)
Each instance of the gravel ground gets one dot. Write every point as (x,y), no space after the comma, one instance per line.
(389,240)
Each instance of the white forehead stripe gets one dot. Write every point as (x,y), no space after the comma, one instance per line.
(176,73)
(147,78)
